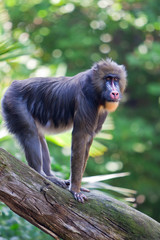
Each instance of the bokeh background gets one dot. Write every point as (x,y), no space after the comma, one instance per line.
(59,37)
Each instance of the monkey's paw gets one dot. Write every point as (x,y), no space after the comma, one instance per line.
(67,182)
(80,197)
(58,181)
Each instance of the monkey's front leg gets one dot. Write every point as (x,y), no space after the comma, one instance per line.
(79,140)
(88,145)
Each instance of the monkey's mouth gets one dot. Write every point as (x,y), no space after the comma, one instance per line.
(113,100)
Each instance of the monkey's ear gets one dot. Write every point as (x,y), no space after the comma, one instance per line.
(123,67)
(95,67)
(124,70)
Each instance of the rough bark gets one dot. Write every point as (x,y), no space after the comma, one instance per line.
(54,210)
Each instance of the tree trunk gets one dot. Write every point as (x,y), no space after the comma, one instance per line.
(53,209)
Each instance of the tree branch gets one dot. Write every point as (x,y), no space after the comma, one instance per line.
(53,209)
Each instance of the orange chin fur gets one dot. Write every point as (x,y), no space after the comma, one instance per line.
(111,106)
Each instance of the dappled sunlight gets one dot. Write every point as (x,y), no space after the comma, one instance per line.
(100,178)
(3,133)
(114,166)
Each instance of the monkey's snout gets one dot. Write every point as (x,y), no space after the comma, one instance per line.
(114,95)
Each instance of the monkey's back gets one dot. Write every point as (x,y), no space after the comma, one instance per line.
(50,101)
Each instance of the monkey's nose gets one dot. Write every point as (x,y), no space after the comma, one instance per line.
(114,95)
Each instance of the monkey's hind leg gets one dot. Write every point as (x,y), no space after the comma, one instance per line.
(25,130)
(37,155)
(20,123)
(32,149)
(47,165)
(45,157)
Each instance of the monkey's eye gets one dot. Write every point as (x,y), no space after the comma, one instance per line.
(108,78)
(116,79)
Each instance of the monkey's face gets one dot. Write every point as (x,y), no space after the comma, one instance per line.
(110,81)
(111,94)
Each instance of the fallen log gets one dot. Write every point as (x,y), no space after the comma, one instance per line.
(53,209)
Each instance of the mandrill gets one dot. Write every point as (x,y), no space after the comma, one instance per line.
(37,106)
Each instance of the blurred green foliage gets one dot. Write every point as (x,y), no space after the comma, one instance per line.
(60,37)
(12,227)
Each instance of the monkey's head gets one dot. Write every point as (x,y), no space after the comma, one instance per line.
(110,81)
